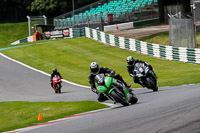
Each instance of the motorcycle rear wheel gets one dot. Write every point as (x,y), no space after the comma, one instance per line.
(118,98)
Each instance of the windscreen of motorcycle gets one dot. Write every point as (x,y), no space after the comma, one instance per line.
(139,67)
(99,79)
(55,77)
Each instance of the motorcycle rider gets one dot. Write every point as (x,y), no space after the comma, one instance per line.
(130,67)
(55,72)
(94,70)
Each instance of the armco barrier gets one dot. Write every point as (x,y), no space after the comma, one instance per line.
(190,55)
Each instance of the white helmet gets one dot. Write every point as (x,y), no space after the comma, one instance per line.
(130,60)
(94,68)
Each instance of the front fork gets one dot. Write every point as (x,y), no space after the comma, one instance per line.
(125,91)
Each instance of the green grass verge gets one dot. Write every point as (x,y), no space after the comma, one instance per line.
(11,32)
(72,58)
(156,23)
(163,38)
(16,115)
(159,38)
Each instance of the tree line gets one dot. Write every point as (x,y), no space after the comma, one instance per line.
(17,10)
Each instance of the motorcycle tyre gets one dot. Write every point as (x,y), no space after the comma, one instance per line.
(118,98)
(133,99)
(55,89)
(151,84)
(58,88)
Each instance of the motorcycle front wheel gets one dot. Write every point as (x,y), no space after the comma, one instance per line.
(118,98)
(58,88)
(133,99)
(151,84)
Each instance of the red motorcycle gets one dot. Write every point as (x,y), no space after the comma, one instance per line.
(57,84)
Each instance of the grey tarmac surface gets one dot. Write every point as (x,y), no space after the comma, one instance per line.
(141,32)
(19,83)
(170,110)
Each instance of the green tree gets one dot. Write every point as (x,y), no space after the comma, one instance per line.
(14,10)
(44,6)
(184,3)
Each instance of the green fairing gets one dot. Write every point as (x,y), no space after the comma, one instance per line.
(109,81)
(102,89)
(108,88)
(126,94)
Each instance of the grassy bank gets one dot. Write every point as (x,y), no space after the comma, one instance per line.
(159,38)
(72,58)
(163,38)
(11,32)
(16,115)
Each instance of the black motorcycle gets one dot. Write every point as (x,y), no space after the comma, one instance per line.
(146,76)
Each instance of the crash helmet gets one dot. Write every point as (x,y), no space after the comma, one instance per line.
(130,60)
(54,70)
(94,68)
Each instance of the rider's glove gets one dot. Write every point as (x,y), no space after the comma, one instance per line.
(131,75)
(112,73)
(94,90)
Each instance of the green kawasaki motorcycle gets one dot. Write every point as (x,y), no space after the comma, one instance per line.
(107,86)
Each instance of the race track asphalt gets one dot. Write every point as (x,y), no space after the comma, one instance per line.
(170,110)
(19,83)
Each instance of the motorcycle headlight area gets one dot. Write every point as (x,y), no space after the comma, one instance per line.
(141,70)
(100,81)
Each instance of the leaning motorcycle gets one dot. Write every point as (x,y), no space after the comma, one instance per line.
(57,84)
(106,86)
(146,75)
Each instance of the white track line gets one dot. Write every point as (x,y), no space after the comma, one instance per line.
(76,116)
(34,69)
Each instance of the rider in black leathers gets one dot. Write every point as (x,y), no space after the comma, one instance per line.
(55,72)
(130,67)
(94,70)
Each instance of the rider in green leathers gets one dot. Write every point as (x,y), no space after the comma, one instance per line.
(94,70)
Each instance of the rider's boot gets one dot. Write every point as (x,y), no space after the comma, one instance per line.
(101,97)
(142,85)
(127,85)
(130,91)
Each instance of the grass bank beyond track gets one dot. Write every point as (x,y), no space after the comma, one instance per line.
(11,32)
(16,115)
(72,58)
(163,38)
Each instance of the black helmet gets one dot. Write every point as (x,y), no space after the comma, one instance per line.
(130,60)
(54,70)
(94,68)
